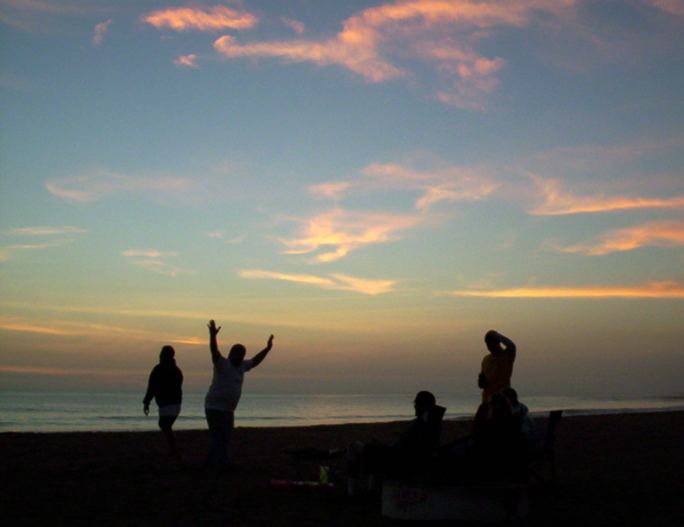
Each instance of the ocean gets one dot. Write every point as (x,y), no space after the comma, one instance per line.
(123,411)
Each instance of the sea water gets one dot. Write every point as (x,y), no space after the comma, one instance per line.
(123,411)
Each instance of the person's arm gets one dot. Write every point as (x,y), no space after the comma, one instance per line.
(509,344)
(150,393)
(213,344)
(259,357)
(482,381)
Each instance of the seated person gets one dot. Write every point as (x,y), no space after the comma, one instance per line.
(411,454)
(495,450)
(529,429)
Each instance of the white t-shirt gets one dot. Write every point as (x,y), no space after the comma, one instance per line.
(226,385)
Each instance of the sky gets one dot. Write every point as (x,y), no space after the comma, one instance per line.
(375,183)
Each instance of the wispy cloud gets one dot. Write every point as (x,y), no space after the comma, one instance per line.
(345,231)
(155,261)
(187,61)
(100,32)
(65,328)
(453,184)
(201,18)
(337,281)
(674,7)
(223,236)
(50,237)
(439,33)
(656,234)
(296,26)
(654,290)
(558,201)
(94,187)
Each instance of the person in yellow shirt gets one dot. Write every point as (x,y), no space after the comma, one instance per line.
(497,366)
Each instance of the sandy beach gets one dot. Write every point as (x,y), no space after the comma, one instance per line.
(620,470)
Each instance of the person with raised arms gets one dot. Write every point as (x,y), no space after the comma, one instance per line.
(224,395)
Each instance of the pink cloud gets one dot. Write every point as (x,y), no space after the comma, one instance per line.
(337,282)
(436,32)
(100,32)
(189,61)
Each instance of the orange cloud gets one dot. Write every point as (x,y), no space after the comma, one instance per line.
(654,290)
(658,234)
(203,19)
(341,282)
(558,201)
(346,231)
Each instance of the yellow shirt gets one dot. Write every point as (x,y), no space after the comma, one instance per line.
(498,370)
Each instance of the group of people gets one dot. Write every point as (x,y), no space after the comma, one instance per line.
(165,387)
(501,429)
(503,434)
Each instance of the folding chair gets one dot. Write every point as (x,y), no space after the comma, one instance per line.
(547,454)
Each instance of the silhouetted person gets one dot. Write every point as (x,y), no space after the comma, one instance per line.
(164,385)
(496,371)
(498,444)
(520,411)
(497,366)
(412,453)
(224,394)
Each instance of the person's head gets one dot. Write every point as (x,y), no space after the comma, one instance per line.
(423,402)
(237,354)
(492,342)
(167,354)
(511,395)
(499,406)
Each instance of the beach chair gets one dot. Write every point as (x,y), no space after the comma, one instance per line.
(546,457)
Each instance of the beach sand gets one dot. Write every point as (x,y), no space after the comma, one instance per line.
(612,470)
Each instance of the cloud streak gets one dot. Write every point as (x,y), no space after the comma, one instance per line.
(655,234)
(662,290)
(57,237)
(558,201)
(84,189)
(154,261)
(336,282)
(201,19)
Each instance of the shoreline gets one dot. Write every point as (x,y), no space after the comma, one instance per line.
(612,469)
(152,427)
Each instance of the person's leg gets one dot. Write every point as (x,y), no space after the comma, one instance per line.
(220,429)
(166,426)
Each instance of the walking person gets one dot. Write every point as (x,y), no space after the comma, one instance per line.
(165,386)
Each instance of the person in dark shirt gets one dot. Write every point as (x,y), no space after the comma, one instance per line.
(164,386)
(411,453)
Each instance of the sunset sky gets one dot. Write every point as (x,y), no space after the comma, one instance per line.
(377,184)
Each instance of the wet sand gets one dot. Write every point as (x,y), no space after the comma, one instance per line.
(613,470)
